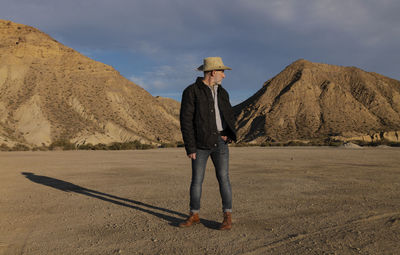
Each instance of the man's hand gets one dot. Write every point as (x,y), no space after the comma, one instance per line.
(224,137)
(192,156)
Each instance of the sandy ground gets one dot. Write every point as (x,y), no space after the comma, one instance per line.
(302,200)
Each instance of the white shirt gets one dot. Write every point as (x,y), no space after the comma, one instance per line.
(220,124)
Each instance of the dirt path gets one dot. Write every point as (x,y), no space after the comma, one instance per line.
(286,201)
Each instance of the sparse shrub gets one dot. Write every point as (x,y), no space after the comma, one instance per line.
(317,143)
(364,143)
(242,144)
(295,143)
(4,147)
(62,144)
(40,148)
(133,145)
(394,144)
(377,143)
(87,146)
(168,145)
(100,146)
(114,146)
(389,143)
(265,144)
(20,147)
(335,143)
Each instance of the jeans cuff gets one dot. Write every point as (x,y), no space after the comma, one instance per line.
(194,211)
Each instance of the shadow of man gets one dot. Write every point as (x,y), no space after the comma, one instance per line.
(133,204)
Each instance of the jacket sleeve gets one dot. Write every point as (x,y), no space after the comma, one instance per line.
(187,120)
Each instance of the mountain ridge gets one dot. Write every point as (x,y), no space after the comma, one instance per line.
(309,100)
(51,92)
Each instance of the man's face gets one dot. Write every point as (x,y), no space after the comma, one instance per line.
(218,76)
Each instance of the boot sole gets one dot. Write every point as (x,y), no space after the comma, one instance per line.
(225,228)
(188,226)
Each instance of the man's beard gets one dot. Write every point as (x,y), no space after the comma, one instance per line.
(216,82)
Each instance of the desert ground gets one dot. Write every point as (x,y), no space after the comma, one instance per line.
(287,200)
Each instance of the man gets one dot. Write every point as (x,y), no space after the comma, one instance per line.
(207,125)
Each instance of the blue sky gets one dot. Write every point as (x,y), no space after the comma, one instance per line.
(159,43)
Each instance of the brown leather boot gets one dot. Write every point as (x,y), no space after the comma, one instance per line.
(227,223)
(191,220)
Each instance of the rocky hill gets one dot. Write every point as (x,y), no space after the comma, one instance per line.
(50,92)
(309,101)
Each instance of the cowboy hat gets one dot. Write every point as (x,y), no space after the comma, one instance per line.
(213,63)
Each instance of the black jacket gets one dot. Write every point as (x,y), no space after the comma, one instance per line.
(197,117)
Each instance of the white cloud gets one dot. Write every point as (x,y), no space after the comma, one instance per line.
(139,81)
(166,78)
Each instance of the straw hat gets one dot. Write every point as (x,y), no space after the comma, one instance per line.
(213,63)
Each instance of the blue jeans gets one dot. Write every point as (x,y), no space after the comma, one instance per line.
(220,158)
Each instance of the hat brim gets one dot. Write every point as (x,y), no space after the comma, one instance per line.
(201,68)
